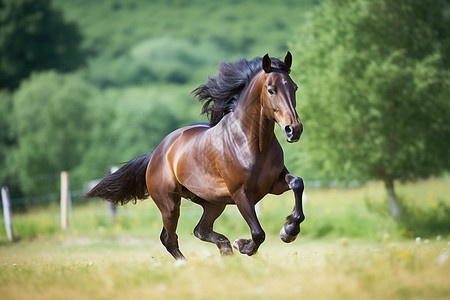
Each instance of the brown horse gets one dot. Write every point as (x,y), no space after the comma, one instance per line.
(236,159)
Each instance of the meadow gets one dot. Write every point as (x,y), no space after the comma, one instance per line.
(348,248)
(130,267)
(143,60)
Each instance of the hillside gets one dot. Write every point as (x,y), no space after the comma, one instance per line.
(236,27)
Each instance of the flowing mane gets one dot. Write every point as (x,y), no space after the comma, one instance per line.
(222,93)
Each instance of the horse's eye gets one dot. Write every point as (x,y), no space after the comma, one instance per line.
(271,92)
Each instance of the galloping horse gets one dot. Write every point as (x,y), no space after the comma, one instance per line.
(235,159)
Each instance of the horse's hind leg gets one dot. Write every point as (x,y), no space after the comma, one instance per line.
(204,229)
(170,212)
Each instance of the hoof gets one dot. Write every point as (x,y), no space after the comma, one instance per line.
(236,245)
(245,246)
(239,244)
(286,237)
(226,251)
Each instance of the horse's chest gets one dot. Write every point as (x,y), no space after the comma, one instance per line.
(256,176)
(266,173)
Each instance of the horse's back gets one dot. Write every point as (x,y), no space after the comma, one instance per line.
(164,148)
(162,167)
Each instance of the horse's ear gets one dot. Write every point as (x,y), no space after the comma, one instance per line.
(288,60)
(266,63)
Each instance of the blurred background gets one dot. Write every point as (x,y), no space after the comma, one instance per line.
(87,85)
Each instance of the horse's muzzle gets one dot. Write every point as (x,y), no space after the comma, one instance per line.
(293,132)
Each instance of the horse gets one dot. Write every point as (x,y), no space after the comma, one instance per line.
(235,159)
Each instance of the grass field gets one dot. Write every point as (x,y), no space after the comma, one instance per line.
(79,268)
(348,249)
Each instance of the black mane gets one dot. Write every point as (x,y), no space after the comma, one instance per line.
(222,93)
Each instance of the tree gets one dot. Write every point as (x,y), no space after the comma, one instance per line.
(35,37)
(127,123)
(7,142)
(376,89)
(51,125)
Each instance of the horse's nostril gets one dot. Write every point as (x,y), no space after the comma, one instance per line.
(288,129)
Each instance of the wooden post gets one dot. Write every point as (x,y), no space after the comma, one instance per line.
(6,200)
(64,199)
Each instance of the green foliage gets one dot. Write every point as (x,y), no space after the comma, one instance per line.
(34,36)
(51,129)
(63,123)
(426,220)
(160,60)
(151,122)
(7,140)
(146,56)
(237,27)
(127,123)
(375,86)
(137,42)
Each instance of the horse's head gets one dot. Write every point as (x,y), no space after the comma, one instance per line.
(278,98)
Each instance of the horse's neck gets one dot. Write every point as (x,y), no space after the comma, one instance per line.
(252,121)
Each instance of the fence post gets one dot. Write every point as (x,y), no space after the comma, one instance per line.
(6,200)
(64,199)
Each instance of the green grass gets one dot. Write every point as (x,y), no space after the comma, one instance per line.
(347,249)
(359,213)
(101,268)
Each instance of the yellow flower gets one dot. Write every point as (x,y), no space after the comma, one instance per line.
(404,254)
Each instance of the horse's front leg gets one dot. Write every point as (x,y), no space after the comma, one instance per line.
(247,210)
(291,229)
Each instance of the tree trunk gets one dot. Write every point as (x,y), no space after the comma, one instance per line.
(394,206)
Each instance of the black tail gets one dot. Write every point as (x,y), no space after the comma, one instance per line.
(124,185)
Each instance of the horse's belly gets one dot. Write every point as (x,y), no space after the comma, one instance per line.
(211,190)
